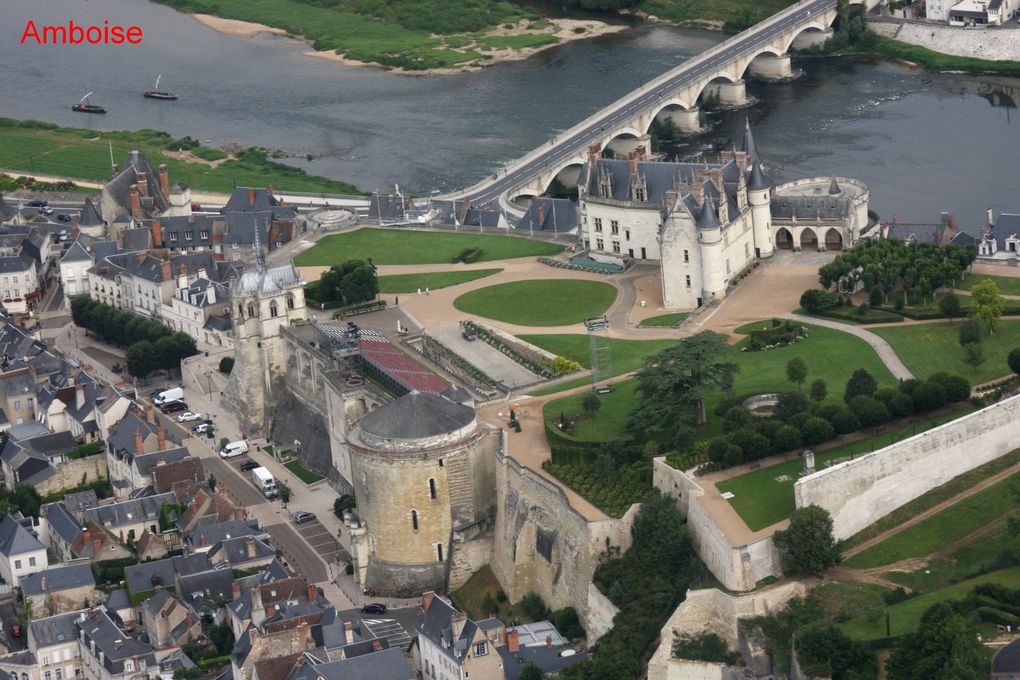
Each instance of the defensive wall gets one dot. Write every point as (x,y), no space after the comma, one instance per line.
(995,44)
(859,492)
(738,567)
(542,544)
(71,473)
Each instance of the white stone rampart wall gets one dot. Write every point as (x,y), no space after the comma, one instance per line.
(993,44)
(736,567)
(861,491)
(601,612)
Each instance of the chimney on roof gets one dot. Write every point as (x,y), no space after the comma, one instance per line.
(182,269)
(501,637)
(143,184)
(457,622)
(79,395)
(632,161)
(150,412)
(512,643)
(114,171)
(348,632)
(641,152)
(251,196)
(164,179)
(541,216)
(191,619)
(202,539)
(157,234)
(593,155)
(161,434)
(235,590)
(426,599)
(548,641)
(139,442)
(167,274)
(136,203)
(240,514)
(952,223)
(249,544)
(97,546)
(377,645)
(313,594)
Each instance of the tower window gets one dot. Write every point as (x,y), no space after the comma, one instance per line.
(290,301)
(432,489)
(414,520)
(598,224)
(251,311)
(440,462)
(688,277)
(439,552)
(687,256)
(274,311)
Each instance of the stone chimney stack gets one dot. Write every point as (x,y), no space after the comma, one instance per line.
(512,642)
(79,396)
(136,203)
(593,156)
(157,234)
(114,171)
(235,590)
(457,622)
(150,412)
(642,153)
(139,442)
(97,547)
(426,599)
(249,544)
(541,216)
(42,583)
(313,594)
(251,196)
(164,179)
(348,631)
(167,271)
(143,184)
(161,434)
(632,159)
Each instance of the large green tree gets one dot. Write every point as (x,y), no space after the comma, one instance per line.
(677,380)
(987,304)
(807,545)
(352,282)
(796,370)
(944,646)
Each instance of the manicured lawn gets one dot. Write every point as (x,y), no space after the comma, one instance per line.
(306,476)
(904,616)
(943,528)
(609,422)
(539,302)
(412,283)
(664,320)
(932,347)
(626,355)
(765,496)
(1008,285)
(78,153)
(391,246)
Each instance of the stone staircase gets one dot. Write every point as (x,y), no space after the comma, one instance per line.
(458,479)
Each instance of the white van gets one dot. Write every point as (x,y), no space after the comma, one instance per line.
(166,396)
(234,449)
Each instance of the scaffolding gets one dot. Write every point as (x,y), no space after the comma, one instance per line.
(599,352)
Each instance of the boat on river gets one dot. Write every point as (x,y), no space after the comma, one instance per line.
(83,106)
(155,93)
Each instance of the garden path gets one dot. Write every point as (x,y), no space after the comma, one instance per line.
(882,348)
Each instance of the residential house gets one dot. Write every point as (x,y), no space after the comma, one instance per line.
(208,508)
(79,257)
(21,553)
(151,547)
(135,446)
(59,590)
(53,640)
(170,476)
(242,553)
(127,520)
(10,214)
(90,221)
(270,656)
(138,192)
(109,653)
(203,538)
(449,646)
(377,662)
(48,461)
(204,592)
(64,534)
(168,622)
(119,602)
(80,501)
(17,392)
(19,272)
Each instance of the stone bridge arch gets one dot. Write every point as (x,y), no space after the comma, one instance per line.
(727,88)
(813,34)
(684,117)
(622,140)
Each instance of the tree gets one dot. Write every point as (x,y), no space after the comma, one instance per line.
(969,332)
(284,492)
(929,396)
(352,282)
(861,382)
(844,421)
(226,365)
(737,418)
(816,430)
(489,605)
(683,438)
(786,438)
(683,376)
(819,390)
(808,545)
(815,301)
(530,671)
(344,502)
(901,405)
(944,646)
(949,305)
(789,404)
(987,304)
(973,354)
(1013,359)
(796,370)
(533,606)
(591,403)
(141,359)
(869,411)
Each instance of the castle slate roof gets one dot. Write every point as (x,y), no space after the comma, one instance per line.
(387,664)
(76,252)
(16,539)
(550,214)
(255,199)
(438,628)
(148,575)
(90,216)
(748,144)
(708,217)
(273,279)
(417,415)
(757,178)
(810,207)
(222,531)
(119,188)
(54,630)
(146,462)
(116,645)
(1006,225)
(136,239)
(7,211)
(81,501)
(58,578)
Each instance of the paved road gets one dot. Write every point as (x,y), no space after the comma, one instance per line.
(298,553)
(882,348)
(573,142)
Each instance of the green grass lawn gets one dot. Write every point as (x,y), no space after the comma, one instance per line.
(626,355)
(765,496)
(969,561)
(391,246)
(31,146)
(539,302)
(305,475)
(1008,285)
(904,616)
(941,529)
(664,320)
(412,283)
(684,12)
(611,419)
(470,595)
(932,347)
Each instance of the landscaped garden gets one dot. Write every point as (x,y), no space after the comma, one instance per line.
(405,246)
(539,302)
(663,320)
(412,283)
(932,347)
(1007,285)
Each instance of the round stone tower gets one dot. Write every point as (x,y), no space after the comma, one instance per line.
(758,191)
(423,471)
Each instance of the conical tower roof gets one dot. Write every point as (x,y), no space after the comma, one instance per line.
(709,216)
(749,147)
(757,179)
(834,189)
(90,216)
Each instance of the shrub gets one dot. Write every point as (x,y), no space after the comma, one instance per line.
(226,365)
(816,430)
(844,421)
(1013,360)
(737,418)
(869,411)
(956,387)
(344,502)
(790,404)
(815,301)
(818,390)
(704,647)
(860,383)
(929,396)
(786,438)
(751,444)
(534,607)
(567,623)
(875,296)
(808,544)
(901,405)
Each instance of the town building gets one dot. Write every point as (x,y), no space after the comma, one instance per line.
(53,642)
(21,553)
(109,653)
(59,590)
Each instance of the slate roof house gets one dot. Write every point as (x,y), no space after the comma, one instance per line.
(59,590)
(167,621)
(21,553)
(53,642)
(449,646)
(111,654)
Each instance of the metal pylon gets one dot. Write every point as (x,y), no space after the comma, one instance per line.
(598,349)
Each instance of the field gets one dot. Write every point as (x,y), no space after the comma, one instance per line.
(539,302)
(932,347)
(31,146)
(761,499)
(1008,285)
(712,12)
(664,320)
(390,246)
(410,34)
(412,283)
(943,528)
(904,616)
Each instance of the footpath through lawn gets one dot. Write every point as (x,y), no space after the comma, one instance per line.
(928,348)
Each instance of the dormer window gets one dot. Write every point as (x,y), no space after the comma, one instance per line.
(481,649)
(188,236)
(204,235)
(173,235)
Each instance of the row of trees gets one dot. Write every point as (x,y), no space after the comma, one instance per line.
(151,346)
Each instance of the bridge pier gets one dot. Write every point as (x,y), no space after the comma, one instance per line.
(687,121)
(621,146)
(728,94)
(808,39)
(771,67)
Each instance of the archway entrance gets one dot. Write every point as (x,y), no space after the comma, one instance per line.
(833,240)
(808,240)
(784,239)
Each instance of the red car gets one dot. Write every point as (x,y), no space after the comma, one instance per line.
(16,630)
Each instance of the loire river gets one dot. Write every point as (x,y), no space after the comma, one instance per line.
(923,142)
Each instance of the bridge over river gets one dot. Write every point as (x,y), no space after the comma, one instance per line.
(718,73)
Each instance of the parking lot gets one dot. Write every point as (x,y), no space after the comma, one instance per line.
(322,541)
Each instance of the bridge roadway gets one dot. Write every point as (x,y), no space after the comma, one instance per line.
(573,143)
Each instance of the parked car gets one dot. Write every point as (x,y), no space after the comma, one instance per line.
(117,368)
(46,210)
(173,407)
(249,465)
(468,335)
(38,203)
(301,517)
(200,424)
(189,416)
(374,608)
(202,428)
(16,630)
(63,217)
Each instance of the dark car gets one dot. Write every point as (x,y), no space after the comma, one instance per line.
(468,335)
(38,203)
(374,608)
(301,517)
(117,368)
(249,465)
(63,217)
(173,407)
(16,630)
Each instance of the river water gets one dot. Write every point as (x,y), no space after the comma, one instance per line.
(923,142)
